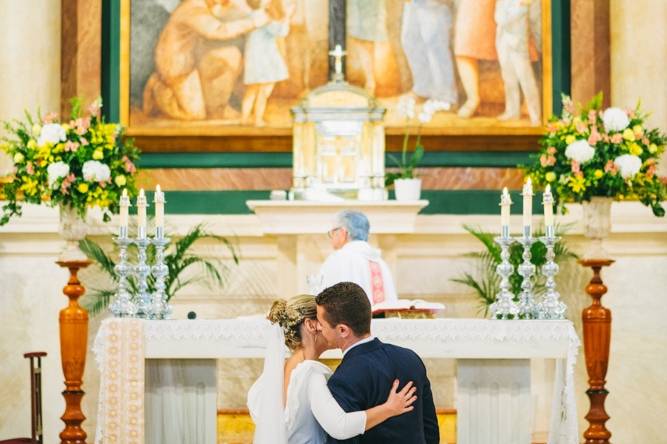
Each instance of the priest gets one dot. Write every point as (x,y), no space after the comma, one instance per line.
(354,260)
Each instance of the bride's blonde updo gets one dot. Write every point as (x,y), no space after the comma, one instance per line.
(290,315)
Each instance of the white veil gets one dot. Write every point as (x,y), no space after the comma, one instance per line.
(265,397)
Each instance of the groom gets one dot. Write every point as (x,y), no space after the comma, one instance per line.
(365,375)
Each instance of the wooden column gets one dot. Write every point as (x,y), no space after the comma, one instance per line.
(597,338)
(73,344)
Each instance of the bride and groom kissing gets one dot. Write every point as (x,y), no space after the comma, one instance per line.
(379,393)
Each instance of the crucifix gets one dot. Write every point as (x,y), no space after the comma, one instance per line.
(336,36)
(338,54)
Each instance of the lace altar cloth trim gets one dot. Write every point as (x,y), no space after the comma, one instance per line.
(251,332)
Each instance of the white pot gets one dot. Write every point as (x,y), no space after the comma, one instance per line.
(597,225)
(72,229)
(408,189)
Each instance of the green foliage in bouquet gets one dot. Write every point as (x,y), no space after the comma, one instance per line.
(486,283)
(588,152)
(81,163)
(178,258)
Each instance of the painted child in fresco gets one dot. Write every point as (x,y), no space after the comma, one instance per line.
(512,44)
(264,59)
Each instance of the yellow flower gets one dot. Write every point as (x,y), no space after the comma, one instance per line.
(550,176)
(18,158)
(32,144)
(29,187)
(65,126)
(635,149)
(570,139)
(98,154)
(652,148)
(628,135)
(82,187)
(598,174)
(36,129)
(638,130)
(120,180)
(577,184)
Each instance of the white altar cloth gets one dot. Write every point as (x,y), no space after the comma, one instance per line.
(117,353)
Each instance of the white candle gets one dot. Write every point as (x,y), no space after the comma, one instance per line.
(505,204)
(124,205)
(548,201)
(141,211)
(159,207)
(527,203)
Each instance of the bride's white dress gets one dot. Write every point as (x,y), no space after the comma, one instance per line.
(310,411)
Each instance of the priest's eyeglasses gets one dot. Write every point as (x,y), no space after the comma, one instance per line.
(331,232)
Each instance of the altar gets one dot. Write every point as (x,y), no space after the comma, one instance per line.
(492,359)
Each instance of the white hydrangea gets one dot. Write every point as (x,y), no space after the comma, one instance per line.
(615,119)
(425,117)
(52,133)
(628,165)
(579,151)
(55,171)
(96,171)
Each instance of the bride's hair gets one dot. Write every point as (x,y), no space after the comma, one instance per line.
(290,314)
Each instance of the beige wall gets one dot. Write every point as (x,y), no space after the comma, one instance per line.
(30,59)
(639,58)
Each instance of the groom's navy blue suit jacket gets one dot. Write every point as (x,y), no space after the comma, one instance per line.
(363,380)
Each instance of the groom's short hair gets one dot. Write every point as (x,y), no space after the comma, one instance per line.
(347,303)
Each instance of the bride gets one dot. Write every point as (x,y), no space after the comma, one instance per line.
(290,402)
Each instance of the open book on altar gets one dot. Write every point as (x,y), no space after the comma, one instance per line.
(407,305)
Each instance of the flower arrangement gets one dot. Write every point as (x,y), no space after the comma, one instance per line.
(589,152)
(78,164)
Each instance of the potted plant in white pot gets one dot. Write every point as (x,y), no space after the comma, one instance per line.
(407,186)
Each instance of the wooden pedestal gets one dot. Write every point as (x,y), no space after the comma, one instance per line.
(597,338)
(73,344)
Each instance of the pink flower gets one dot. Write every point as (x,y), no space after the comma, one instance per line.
(592,116)
(81,125)
(581,127)
(129,166)
(29,168)
(94,108)
(630,113)
(71,145)
(616,138)
(605,138)
(552,127)
(84,141)
(645,141)
(551,150)
(50,117)
(575,167)
(543,160)
(650,172)
(594,137)
(610,167)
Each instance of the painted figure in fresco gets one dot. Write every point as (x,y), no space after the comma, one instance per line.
(512,44)
(474,40)
(425,38)
(366,25)
(264,61)
(177,87)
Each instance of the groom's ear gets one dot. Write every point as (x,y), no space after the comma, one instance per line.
(343,330)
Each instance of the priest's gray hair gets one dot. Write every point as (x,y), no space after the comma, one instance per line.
(355,223)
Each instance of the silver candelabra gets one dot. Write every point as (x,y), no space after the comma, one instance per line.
(504,307)
(526,269)
(143,304)
(551,307)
